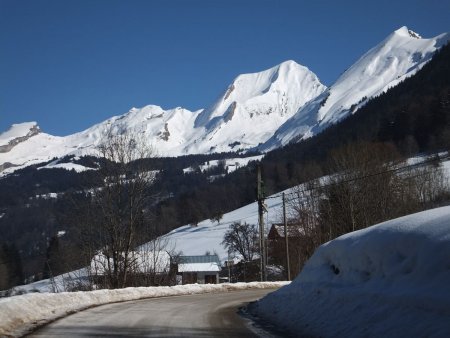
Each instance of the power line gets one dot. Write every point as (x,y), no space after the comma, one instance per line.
(428,161)
(279,195)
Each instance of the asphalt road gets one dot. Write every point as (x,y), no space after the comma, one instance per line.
(205,315)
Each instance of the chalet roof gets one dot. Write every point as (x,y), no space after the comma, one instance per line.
(199,259)
(199,263)
(198,267)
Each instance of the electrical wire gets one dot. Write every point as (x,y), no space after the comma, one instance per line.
(428,161)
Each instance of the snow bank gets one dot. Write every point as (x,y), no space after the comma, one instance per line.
(64,282)
(20,314)
(389,280)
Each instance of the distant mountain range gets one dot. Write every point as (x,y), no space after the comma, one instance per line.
(259,111)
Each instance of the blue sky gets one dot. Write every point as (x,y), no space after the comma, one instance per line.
(70,64)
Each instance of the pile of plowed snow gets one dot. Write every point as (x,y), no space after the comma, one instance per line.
(389,280)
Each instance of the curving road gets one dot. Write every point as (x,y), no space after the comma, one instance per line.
(205,315)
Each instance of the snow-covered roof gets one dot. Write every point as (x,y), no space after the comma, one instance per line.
(199,259)
(199,263)
(198,267)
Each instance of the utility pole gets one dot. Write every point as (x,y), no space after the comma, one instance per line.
(229,267)
(288,267)
(262,250)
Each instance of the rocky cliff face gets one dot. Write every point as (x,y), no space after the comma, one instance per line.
(33,130)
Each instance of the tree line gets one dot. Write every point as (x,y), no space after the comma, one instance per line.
(370,183)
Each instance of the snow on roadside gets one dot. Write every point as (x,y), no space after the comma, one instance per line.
(21,314)
(60,283)
(389,280)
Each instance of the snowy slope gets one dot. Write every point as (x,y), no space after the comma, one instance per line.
(208,235)
(397,57)
(389,280)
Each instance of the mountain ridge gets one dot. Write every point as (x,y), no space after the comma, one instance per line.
(257,111)
(400,55)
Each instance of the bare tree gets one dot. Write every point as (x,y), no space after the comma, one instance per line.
(364,188)
(118,208)
(3,272)
(242,238)
(155,262)
(369,183)
(217,217)
(429,183)
(305,231)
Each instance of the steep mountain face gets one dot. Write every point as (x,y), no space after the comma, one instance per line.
(264,110)
(254,106)
(397,57)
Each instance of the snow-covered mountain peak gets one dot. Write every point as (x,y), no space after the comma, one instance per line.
(397,57)
(168,130)
(400,55)
(259,93)
(405,32)
(254,106)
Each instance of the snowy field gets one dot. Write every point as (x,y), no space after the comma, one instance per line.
(208,234)
(389,280)
(21,314)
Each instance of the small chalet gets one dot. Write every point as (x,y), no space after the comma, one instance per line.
(199,269)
